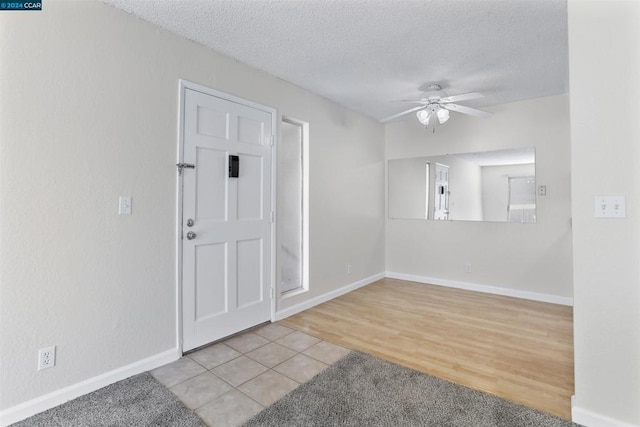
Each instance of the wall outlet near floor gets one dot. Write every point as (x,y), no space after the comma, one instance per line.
(348,268)
(46,358)
(467,267)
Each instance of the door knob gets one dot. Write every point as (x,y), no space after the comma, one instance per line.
(190,222)
(191,235)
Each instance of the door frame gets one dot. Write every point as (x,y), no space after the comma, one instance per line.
(183,85)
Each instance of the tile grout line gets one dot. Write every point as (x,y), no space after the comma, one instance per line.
(245,354)
(267,368)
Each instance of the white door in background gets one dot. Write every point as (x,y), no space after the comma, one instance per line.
(441,198)
(226,260)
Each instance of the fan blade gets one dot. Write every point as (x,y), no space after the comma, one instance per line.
(462,97)
(410,110)
(412,101)
(466,110)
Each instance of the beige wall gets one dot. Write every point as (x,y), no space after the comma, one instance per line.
(89,104)
(604,53)
(521,257)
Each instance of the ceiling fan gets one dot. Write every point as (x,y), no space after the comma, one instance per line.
(435,106)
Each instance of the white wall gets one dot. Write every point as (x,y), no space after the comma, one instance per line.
(522,257)
(407,195)
(604,53)
(89,105)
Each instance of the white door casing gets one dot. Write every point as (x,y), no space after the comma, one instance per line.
(227,267)
(441,199)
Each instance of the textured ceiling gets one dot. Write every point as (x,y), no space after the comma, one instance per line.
(364,54)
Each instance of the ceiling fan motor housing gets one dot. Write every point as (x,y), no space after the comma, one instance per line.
(432,94)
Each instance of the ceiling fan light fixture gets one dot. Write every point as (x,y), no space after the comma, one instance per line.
(443,115)
(424,116)
(439,105)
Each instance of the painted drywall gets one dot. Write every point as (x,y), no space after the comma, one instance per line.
(523,257)
(89,111)
(407,195)
(604,47)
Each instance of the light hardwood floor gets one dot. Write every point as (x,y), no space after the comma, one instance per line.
(517,349)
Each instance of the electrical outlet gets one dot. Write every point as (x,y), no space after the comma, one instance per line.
(467,267)
(348,268)
(46,358)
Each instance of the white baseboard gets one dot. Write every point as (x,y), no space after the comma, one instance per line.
(290,311)
(554,299)
(58,397)
(591,419)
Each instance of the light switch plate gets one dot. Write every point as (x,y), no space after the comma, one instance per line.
(610,206)
(124,205)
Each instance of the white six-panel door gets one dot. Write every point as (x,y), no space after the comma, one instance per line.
(226,261)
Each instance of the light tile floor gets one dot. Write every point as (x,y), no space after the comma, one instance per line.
(229,382)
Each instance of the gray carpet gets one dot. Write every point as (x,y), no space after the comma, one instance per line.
(136,401)
(362,390)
